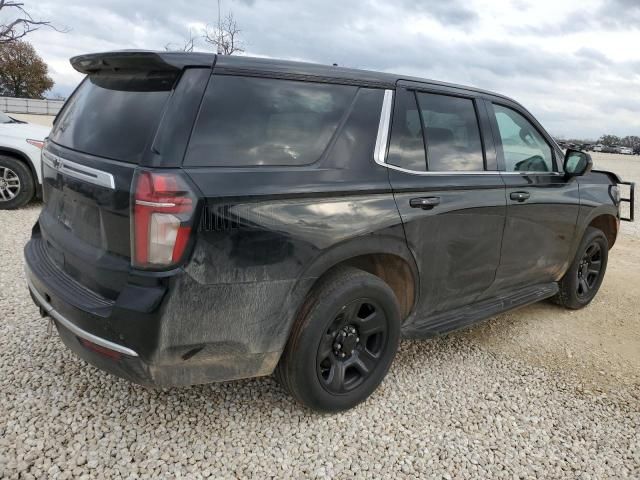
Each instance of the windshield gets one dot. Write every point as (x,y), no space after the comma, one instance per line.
(4,118)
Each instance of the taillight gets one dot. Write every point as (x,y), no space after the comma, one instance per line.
(36,143)
(162,211)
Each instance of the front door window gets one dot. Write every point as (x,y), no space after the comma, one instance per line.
(524,148)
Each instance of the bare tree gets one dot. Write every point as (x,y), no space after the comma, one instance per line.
(224,36)
(187,46)
(22,25)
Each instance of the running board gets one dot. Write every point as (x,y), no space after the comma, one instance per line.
(442,323)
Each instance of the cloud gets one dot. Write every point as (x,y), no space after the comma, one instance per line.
(621,14)
(594,55)
(450,13)
(609,15)
(578,72)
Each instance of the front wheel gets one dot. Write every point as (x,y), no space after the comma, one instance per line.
(584,277)
(342,345)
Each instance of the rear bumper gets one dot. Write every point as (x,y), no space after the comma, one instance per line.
(155,336)
(100,352)
(73,328)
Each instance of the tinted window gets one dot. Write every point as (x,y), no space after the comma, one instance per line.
(451,131)
(259,121)
(114,116)
(406,147)
(525,150)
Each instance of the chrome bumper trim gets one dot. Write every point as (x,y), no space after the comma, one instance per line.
(73,328)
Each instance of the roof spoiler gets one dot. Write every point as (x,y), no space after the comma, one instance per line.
(140,60)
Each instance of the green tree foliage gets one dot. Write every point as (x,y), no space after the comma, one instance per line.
(609,140)
(22,72)
(630,141)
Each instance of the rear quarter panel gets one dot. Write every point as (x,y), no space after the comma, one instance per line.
(266,234)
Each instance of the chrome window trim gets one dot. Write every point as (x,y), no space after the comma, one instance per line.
(47,307)
(382,142)
(79,171)
(555,174)
(382,139)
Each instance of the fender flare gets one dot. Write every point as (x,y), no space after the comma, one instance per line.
(585,221)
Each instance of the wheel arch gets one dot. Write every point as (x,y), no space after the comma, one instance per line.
(392,269)
(387,257)
(24,158)
(608,224)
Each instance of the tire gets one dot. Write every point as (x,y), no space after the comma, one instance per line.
(17,186)
(343,341)
(582,280)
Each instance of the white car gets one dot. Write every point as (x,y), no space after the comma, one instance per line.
(625,150)
(20,173)
(598,147)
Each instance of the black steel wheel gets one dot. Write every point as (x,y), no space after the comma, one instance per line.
(352,346)
(582,280)
(343,342)
(589,269)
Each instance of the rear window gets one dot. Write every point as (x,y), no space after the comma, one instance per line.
(114,116)
(261,121)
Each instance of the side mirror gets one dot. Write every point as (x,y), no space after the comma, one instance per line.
(576,163)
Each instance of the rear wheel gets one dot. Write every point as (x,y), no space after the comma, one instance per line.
(16,183)
(584,277)
(343,343)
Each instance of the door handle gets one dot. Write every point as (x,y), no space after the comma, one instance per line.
(520,196)
(425,203)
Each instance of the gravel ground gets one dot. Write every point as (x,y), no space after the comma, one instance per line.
(536,393)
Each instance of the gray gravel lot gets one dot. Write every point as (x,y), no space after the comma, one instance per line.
(536,393)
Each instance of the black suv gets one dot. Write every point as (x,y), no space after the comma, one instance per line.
(210,218)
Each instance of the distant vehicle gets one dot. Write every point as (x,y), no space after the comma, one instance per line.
(636,150)
(598,148)
(625,150)
(20,148)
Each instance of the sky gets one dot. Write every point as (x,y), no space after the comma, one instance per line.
(574,64)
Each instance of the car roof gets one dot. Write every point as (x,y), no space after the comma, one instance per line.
(123,59)
(332,72)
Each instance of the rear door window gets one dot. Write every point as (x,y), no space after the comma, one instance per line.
(246,121)
(451,132)
(114,115)
(406,146)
